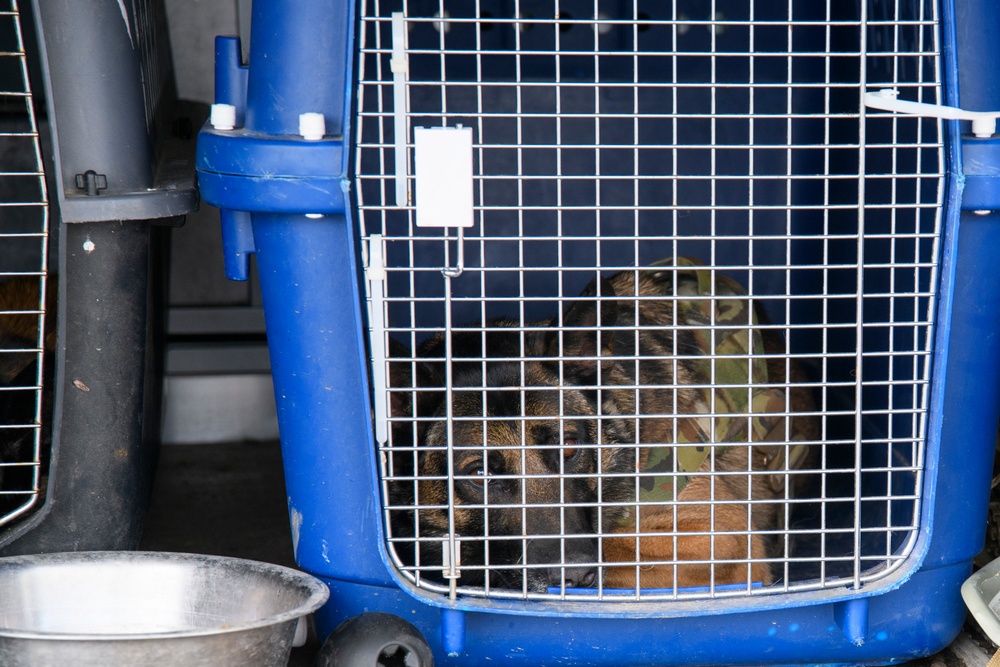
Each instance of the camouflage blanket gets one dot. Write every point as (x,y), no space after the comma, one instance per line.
(732,365)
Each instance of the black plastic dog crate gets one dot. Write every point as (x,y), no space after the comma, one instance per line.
(91,161)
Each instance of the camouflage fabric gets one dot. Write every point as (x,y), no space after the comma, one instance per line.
(731,365)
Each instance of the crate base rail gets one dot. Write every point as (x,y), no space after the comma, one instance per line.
(785,635)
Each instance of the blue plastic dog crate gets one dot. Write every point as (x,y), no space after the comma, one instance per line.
(601,137)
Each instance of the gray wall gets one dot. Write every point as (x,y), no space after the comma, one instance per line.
(218,384)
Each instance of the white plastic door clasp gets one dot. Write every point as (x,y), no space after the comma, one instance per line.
(984,123)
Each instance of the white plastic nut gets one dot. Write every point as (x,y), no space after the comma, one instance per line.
(223,116)
(312,126)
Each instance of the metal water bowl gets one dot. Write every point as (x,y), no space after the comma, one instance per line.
(150,608)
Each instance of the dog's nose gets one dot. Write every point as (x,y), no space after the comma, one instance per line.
(573,576)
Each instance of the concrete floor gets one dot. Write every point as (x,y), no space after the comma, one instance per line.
(229,500)
(223,500)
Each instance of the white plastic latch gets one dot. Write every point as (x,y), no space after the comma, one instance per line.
(399,64)
(984,123)
(442,166)
(376,315)
(376,265)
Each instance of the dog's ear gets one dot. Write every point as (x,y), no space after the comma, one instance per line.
(430,365)
(430,370)
(586,333)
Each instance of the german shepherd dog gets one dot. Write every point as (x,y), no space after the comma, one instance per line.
(18,374)
(510,450)
(550,424)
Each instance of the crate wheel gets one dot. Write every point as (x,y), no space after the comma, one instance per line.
(377,639)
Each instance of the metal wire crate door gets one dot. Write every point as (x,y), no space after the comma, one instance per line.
(607,140)
(24,226)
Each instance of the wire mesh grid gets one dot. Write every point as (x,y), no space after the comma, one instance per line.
(24,227)
(683,350)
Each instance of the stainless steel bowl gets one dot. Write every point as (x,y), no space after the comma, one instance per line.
(150,608)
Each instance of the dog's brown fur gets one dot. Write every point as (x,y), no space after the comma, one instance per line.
(19,330)
(511,450)
(725,542)
(18,372)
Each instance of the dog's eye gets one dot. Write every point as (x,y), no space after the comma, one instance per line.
(569,448)
(474,473)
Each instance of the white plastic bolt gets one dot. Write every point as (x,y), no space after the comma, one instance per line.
(312,126)
(223,117)
(984,123)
